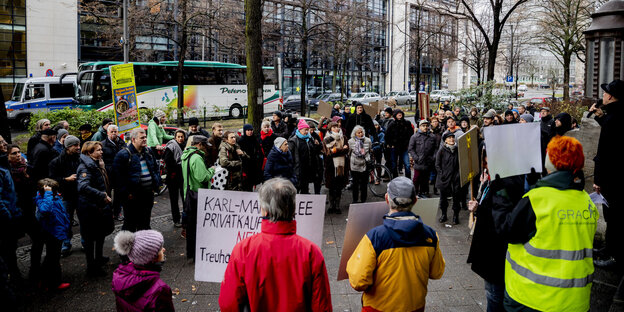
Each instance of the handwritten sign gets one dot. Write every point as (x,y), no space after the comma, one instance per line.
(225,218)
(364,217)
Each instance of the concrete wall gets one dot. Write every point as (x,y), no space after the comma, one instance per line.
(52,36)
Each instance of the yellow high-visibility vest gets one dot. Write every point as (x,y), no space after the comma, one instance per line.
(554,270)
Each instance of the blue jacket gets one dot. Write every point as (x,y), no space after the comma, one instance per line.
(8,199)
(127,170)
(51,215)
(58,147)
(280,164)
(379,140)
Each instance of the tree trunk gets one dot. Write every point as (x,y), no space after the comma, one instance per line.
(253,51)
(566,77)
(182,43)
(304,58)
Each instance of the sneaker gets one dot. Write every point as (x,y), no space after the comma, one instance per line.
(62,286)
(177,224)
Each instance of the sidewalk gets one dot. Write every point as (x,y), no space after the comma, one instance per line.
(458,290)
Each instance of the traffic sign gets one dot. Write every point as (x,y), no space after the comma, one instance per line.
(510,79)
(49,73)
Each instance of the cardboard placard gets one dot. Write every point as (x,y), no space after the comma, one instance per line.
(506,157)
(372,108)
(423,105)
(324,109)
(468,153)
(364,217)
(225,218)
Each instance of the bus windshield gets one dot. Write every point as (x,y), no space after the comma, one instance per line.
(17,92)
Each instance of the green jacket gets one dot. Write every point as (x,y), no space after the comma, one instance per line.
(200,175)
(100,135)
(156,135)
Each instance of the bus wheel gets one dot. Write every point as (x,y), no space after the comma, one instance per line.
(236,111)
(24,121)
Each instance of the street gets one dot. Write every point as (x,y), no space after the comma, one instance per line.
(458,290)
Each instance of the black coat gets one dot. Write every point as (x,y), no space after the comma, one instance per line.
(608,171)
(267,143)
(174,169)
(280,130)
(399,133)
(363,120)
(32,142)
(62,167)
(447,166)
(42,155)
(305,158)
(488,250)
(127,169)
(422,149)
(252,166)
(280,164)
(547,132)
(95,215)
(110,150)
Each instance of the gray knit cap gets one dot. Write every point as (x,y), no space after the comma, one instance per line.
(141,247)
(278,142)
(71,140)
(61,133)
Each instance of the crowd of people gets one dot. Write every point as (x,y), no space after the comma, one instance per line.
(100,178)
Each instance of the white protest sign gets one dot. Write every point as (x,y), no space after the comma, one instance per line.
(513,149)
(225,218)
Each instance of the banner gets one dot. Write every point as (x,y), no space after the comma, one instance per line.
(124,97)
(225,218)
(364,217)
(513,149)
(468,152)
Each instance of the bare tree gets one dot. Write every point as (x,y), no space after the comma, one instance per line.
(253,49)
(491,28)
(476,52)
(561,32)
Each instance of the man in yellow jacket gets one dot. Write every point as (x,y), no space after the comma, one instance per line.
(393,262)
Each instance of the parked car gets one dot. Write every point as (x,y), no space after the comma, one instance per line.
(523,88)
(401,97)
(331,97)
(364,97)
(441,96)
(293,103)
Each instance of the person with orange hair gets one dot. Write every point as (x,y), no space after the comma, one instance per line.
(550,234)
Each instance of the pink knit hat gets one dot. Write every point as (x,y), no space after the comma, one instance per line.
(141,247)
(302,124)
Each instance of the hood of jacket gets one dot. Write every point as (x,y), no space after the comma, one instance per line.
(407,229)
(88,161)
(132,283)
(563,180)
(190,150)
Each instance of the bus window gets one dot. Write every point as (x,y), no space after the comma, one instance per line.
(269,77)
(65,90)
(103,89)
(35,91)
(17,92)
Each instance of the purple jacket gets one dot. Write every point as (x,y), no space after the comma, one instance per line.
(139,288)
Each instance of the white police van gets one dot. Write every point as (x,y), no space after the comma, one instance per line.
(33,95)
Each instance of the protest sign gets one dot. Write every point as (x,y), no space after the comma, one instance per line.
(364,217)
(372,108)
(423,105)
(324,109)
(468,152)
(124,97)
(506,156)
(225,218)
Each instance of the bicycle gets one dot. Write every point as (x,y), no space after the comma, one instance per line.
(379,177)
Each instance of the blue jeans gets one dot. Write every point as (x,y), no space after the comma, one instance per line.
(495,294)
(396,156)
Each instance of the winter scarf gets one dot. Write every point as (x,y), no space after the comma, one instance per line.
(264,135)
(359,147)
(303,137)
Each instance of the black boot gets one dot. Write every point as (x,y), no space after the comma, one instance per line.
(456,218)
(443,218)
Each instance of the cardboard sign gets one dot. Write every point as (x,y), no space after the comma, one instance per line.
(324,109)
(468,152)
(225,218)
(506,156)
(124,97)
(423,105)
(372,108)
(364,217)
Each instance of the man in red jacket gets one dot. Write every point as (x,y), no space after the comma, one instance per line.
(276,270)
